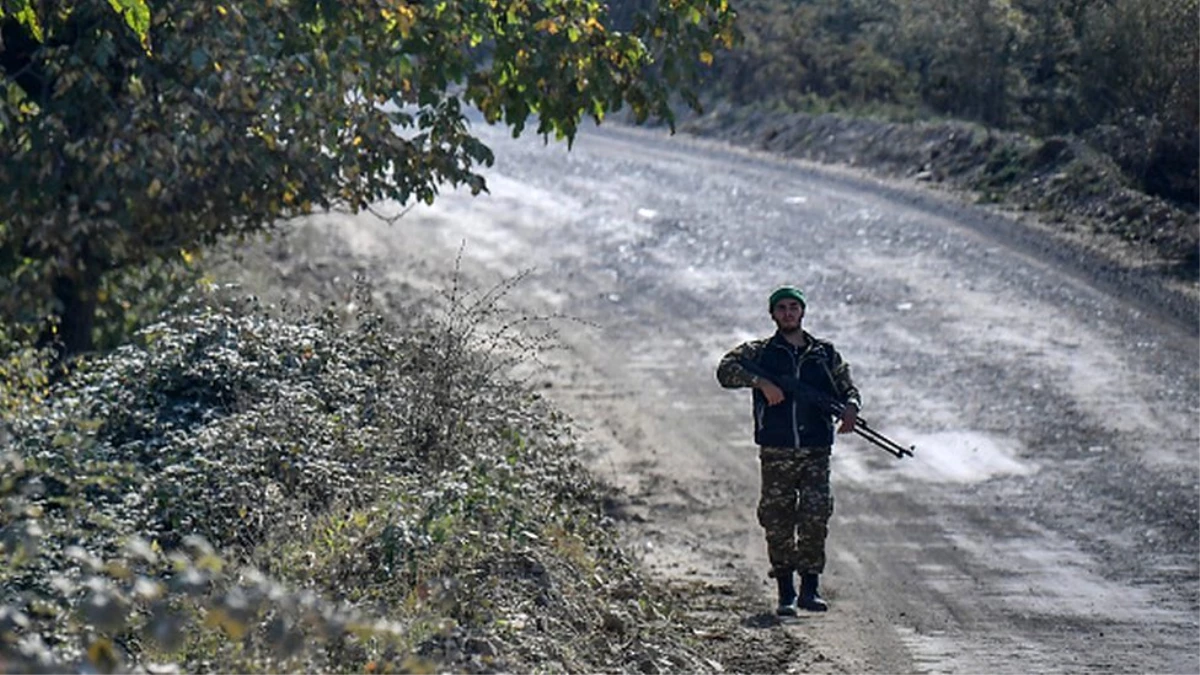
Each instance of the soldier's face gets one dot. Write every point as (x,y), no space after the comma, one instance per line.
(787,314)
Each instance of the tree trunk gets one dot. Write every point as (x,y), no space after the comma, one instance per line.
(77,296)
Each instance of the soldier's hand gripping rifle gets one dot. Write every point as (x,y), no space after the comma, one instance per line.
(806,392)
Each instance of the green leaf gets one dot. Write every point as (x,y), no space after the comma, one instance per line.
(28,18)
(137,16)
(198,59)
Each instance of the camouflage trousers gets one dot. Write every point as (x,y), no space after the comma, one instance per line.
(794,506)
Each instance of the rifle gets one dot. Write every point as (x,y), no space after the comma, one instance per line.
(807,392)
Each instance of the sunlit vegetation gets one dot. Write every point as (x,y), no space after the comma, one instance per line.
(239,491)
(131,131)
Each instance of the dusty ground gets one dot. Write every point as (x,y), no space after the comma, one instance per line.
(1048,522)
(1063,188)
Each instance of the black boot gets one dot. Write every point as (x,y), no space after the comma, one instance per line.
(810,599)
(787,592)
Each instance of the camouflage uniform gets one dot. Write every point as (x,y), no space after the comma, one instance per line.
(795,439)
(794,507)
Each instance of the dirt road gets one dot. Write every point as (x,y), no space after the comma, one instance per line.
(1048,522)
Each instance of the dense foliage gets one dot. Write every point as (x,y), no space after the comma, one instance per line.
(1125,74)
(129,135)
(243,493)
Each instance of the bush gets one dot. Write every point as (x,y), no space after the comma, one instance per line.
(241,491)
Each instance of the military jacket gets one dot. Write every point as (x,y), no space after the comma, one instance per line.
(799,421)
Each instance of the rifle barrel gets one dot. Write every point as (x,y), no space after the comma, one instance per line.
(863,429)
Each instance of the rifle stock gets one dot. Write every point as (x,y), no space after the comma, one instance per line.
(806,392)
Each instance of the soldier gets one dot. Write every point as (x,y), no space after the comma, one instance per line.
(795,438)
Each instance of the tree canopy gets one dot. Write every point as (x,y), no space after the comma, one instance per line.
(1123,72)
(132,129)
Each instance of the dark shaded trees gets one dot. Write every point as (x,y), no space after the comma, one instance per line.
(1123,72)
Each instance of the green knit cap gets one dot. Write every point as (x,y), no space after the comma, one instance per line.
(787,292)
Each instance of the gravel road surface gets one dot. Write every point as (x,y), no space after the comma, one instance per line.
(1049,521)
